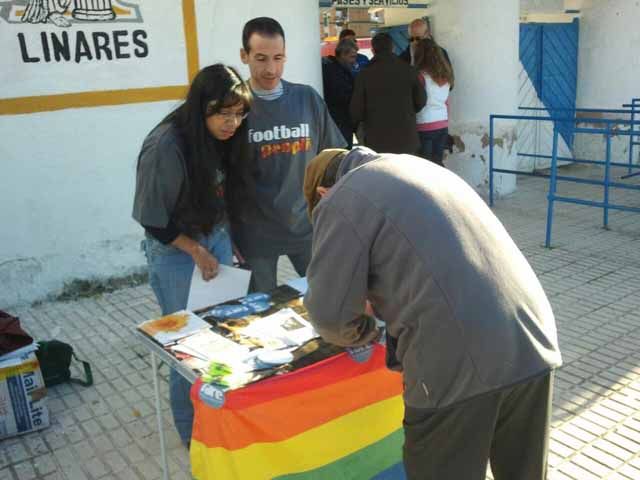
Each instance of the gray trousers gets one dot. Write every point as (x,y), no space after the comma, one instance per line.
(509,428)
(265,269)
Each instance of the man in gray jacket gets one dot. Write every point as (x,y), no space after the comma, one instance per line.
(467,320)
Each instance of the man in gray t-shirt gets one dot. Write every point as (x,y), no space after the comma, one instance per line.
(289,124)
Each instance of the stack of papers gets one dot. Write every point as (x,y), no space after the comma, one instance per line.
(236,351)
(220,360)
(212,347)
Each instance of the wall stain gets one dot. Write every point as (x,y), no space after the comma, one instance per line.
(497,142)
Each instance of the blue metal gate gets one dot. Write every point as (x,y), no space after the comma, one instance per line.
(549,55)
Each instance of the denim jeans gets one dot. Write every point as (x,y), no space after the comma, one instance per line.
(170,271)
(432,144)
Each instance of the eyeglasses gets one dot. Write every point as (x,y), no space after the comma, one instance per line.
(415,39)
(231,116)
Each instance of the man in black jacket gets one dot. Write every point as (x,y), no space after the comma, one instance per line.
(337,79)
(386,97)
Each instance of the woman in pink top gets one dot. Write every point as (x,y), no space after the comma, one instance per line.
(433,120)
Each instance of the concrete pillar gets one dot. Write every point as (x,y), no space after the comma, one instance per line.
(608,61)
(482,41)
(608,69)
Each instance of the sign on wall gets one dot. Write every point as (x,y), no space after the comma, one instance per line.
(371,3)
(73,53)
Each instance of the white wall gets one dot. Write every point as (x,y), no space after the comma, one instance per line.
(482,41)
(608,60)
(220,25)
(608,69)
(67,176)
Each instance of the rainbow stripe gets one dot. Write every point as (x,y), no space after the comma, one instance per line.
(335,419)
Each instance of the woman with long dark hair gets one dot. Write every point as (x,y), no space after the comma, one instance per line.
(433,120)
(192,176)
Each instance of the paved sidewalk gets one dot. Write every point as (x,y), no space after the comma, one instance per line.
(592,277)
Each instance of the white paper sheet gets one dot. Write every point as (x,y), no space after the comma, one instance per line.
(229,284)
(299,284)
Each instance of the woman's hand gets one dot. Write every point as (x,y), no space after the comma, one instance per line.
(207,263)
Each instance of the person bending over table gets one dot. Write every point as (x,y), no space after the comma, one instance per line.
(192,175)
(467,320)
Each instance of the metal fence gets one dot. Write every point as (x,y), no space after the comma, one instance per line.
(572,118)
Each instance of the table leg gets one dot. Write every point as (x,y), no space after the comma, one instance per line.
(156,387)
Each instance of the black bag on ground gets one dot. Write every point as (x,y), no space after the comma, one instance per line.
(54,357)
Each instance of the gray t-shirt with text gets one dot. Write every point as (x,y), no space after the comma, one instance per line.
(284,135)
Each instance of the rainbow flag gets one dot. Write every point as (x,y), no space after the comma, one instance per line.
(334,419)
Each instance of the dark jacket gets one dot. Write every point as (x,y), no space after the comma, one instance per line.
(463,308)
(337,82)
(386,97)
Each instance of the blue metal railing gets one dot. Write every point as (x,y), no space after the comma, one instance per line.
(635,107)
(628,108)
(572,120)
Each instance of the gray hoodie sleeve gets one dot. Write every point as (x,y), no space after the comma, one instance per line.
(159,179)
(338,281)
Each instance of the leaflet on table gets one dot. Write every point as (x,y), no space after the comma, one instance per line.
(170,328)
(210,346)
(284,326)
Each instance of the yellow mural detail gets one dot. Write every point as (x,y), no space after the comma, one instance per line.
(120,11)
(47,103)
(191,37)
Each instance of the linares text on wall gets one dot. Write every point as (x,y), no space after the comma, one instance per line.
(68,41)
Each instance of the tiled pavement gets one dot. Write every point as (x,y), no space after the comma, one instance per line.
(592,277)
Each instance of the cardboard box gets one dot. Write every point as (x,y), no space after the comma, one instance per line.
(23,396)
